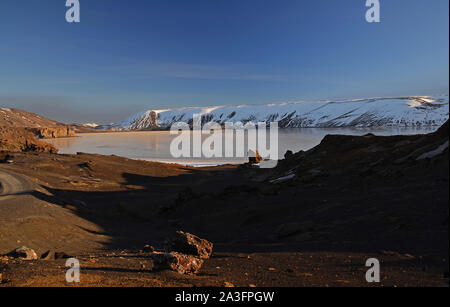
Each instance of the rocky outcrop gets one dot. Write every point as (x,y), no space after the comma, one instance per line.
(53,132)
(22,140)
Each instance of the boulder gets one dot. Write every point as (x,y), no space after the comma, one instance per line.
(183,264)
(23,253)
(148,248)
(187,243)
(254,157)
(288,154)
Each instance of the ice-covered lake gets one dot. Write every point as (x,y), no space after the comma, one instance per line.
(155,145)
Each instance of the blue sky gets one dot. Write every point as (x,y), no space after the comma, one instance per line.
(129,56)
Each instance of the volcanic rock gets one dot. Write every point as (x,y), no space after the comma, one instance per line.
(254,157)
(181,263)
(187,243)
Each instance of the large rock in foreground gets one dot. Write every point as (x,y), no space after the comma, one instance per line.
(187,243)
(184,253)
(183,264)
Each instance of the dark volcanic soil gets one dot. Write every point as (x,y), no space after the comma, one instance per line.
(347,200)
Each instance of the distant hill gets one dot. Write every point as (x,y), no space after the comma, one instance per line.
(14,118)
(85,128)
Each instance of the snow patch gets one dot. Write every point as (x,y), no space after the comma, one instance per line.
(90,125)
(433,153)
(290,175)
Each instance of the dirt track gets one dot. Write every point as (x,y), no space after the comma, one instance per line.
(26,219)
(11,183)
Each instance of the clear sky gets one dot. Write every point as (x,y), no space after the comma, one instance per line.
(131,55)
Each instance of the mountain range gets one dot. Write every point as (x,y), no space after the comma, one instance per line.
(414,111)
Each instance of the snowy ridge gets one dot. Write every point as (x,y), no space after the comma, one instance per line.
(89,125)
(372,112)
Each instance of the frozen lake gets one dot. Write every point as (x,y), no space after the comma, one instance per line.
(155,145)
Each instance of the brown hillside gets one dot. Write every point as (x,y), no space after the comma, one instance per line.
(18,118)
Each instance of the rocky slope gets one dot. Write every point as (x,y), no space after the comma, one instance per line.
(374,112)
(40,126)
(22,140)
(18,118)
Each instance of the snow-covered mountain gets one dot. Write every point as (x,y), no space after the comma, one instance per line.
(90,125)
(372,112)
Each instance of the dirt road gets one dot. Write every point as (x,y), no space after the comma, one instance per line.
(13,184)
(27,219)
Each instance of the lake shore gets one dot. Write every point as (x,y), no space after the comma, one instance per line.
(155,145)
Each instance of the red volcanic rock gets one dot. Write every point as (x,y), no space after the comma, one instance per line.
(181,263)
(187,243)
(184,253)
(254,157)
